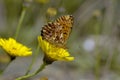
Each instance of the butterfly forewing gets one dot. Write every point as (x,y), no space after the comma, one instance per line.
(57,32)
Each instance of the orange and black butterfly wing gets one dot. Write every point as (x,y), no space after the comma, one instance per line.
(57,32)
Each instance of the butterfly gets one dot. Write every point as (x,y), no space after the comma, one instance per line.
(57,32)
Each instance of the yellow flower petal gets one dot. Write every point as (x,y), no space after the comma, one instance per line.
(14,48)
(53,52)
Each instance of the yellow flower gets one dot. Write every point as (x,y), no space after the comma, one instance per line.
(51,11)
(42,1)
(53,53)
(14,48)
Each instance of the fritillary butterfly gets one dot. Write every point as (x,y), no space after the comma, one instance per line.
(57,32)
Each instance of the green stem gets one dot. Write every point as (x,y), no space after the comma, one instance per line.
(30,75)
(20,22)
(97,67)
(33,60)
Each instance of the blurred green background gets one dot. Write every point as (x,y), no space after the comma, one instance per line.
(94,41)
